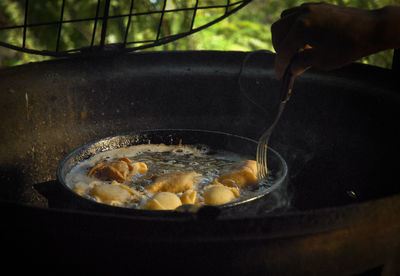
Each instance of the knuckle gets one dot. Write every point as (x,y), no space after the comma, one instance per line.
(306,7)
(312,7)
(303,23)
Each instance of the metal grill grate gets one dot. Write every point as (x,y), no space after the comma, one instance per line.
(143,24)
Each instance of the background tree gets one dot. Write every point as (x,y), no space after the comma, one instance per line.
(246,30)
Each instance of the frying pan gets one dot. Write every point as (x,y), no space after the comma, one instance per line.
(213,140)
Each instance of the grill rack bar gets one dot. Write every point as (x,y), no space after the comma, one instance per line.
(129,21)
(126,46)
(25,23)
(95,22)
(59,26)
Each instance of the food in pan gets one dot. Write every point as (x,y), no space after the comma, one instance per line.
(163,201)
(160,177)
(175,182)
(240,175)
(189,197)
(110,193)
(120,169)
(220,194)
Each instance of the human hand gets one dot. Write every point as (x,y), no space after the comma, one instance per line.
(325,36)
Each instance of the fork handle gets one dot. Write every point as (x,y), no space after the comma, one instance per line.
(287,85)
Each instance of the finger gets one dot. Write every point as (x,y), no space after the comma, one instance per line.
(281,28)
(299,9)
(303,61)
(290,11)
(290,46)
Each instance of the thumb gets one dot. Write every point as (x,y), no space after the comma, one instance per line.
(303,61)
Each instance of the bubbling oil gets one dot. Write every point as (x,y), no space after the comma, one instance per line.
(163,159)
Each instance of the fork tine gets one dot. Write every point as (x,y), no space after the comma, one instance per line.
(259,161)
(264,159)
(265,169)
(261,157)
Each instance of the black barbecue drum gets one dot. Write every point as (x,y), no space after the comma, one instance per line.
(333,207)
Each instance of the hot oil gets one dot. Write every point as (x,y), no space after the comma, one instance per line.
(209,164)
(162,159)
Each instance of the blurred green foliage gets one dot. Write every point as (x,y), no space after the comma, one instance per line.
(246,30)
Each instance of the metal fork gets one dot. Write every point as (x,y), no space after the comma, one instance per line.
(261,155)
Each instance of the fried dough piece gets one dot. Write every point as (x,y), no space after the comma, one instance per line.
(163,201)
(117,170)
(80,188)
(189,197)
(130,190)
(109,193)
(220,194)
(241,174)
(175,182)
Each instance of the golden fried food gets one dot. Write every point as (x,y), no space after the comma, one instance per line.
(177,177)
(241,174)
(163,201)
(117,170)
(175,182)
(220,194)
(80,188)
(109,192)
(189,197)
